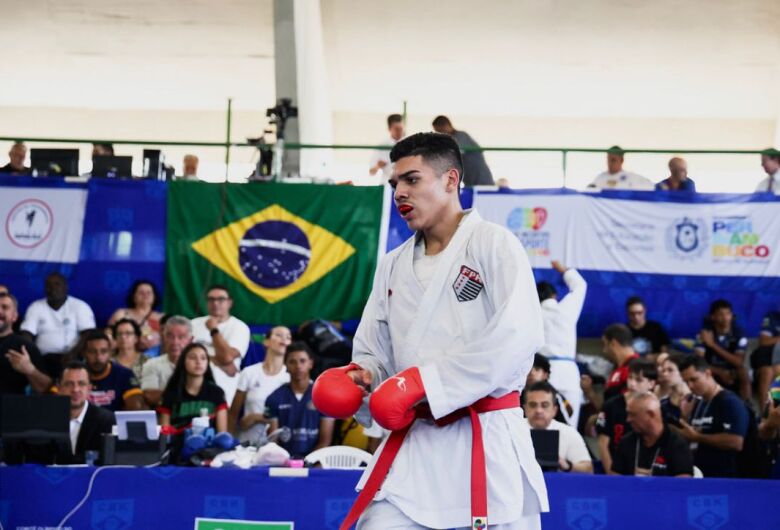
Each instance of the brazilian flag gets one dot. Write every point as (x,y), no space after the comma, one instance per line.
(287,252)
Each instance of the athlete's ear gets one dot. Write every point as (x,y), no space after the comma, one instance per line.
(453,179)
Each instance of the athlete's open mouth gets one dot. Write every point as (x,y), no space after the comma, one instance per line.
(404,209)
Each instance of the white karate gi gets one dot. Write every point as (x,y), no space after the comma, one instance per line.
(560,341)
(465,350)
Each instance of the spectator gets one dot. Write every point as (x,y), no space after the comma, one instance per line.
(88,423)
(678,177)
(671,389)
(16,157)
(290,406)
(256,383)
(177,333)
(99,150)
(769,428)
(127,335)
(113,386)
(540,409)
(615,178)
(540,371)
(142,299)
(618,342)
(560,334)
(189,167)
(650,337)
(651,448)
(770,161)
(380,161)
(56,321)
(226,338)
(192,389)
(767,354)
(503,183)
(475,169)
(21,363)
(718,423)
(612,423)
(722,344)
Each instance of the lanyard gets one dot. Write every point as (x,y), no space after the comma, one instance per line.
(636,457)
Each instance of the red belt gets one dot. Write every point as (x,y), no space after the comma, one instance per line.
(478,472)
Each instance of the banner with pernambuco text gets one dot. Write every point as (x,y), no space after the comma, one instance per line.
(712,235)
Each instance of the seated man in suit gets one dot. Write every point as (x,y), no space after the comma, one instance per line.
(87,422)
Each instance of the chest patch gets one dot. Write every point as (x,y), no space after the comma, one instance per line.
(467,285)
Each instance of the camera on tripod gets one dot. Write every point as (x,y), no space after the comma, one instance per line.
(269,167)
(279,115)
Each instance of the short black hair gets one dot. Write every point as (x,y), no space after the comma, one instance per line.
(394,118)
(441,121)
(620,333)
(643,367)
(75,365)
(220,287)
(543,386)
(133,323)
(439,150)
(298,346)
(676,359)
(95,334)
(130,300)
(698,363)
(541,362)
(632,300)
(720,304)
(545,290)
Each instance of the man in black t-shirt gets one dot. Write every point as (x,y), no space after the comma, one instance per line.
(652,448)
(722,343)
(718,423)
(20,361)
(612,422)
(650,337)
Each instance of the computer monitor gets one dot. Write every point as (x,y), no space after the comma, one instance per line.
(546,448)
(112,166)
(126,419)
(34,429)
(54,162)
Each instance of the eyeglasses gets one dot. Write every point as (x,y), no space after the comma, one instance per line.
(217,299)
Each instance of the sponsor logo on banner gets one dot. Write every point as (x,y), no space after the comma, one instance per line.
(708,512)
(733,239)
(112,514)
(586,514)
(687,238)
(29,223)
(526,224)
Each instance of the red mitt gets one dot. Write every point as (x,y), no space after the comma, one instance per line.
(335,394)
(392,403)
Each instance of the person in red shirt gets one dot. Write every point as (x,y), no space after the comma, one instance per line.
(618,346)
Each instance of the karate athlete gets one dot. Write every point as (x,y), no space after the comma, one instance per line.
(451,326)
(560,335)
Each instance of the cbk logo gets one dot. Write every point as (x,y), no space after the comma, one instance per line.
(112,514)
(335,512)
(586,514)
(708,512)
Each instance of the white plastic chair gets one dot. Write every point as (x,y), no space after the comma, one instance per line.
(339,457)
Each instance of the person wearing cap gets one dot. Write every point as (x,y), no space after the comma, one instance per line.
(616,178)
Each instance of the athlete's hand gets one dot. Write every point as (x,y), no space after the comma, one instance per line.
(392,403)
(336,393)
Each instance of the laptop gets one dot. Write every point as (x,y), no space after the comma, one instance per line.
(112,166)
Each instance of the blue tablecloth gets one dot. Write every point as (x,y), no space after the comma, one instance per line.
(171,498)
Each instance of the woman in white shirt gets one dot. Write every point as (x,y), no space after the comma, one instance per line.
(255,384)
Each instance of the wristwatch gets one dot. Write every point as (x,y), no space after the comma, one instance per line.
(214,331)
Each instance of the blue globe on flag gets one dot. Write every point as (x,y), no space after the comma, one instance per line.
(274,254)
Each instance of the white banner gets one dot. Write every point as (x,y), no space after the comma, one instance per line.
(590,232)
(41,224)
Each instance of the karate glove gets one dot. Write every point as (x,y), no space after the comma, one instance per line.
(392,403)
(335,394)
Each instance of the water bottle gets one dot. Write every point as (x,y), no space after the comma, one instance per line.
(201,423)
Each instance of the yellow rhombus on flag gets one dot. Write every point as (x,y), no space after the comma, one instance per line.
(228,249)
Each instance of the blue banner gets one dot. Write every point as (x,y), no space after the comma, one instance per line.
(171,498)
